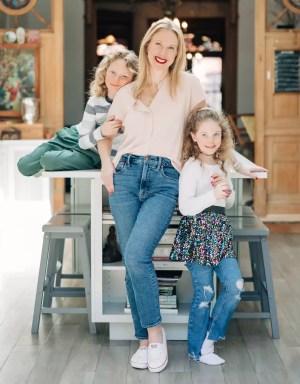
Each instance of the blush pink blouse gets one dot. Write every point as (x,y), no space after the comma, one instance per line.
(156,130)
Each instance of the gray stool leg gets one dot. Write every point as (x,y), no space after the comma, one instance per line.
(60,260)
(255,254)
(40,285)
(56,245)
(270,288)
(83,246)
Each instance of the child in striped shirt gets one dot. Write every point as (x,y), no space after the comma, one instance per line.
(75,147)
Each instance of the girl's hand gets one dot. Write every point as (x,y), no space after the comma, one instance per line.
(110,127)
(107,171)
(250,171)
(217,178)
(222,190)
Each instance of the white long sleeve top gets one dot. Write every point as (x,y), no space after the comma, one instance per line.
(195,190)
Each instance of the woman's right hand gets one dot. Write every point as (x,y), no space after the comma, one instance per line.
(107,171)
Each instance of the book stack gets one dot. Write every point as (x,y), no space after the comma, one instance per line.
(162,251)
(167,281)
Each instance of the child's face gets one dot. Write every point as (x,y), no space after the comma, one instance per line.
(208,136)
(117,75)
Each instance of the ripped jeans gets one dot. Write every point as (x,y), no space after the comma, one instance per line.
(200,321)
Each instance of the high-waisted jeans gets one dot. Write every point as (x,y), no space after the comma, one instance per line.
(200,322)
(145,196)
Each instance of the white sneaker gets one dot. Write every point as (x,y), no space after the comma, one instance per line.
(211,359)
(158,355)
(140,358)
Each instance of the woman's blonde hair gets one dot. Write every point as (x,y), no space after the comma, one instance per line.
(143,78)
(191,149)
(98,87)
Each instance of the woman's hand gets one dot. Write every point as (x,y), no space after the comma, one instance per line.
(110,127)
(251,171)
(107,171)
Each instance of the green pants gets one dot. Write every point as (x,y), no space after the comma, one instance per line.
(61,153)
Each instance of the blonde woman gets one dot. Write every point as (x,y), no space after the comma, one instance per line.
(143,178)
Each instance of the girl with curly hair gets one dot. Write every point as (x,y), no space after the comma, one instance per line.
(204,239)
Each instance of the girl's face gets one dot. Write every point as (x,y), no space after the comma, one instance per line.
(117,75)
(208,136)
(162,49)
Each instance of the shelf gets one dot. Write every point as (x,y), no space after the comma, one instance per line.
(114,312)
(159,265)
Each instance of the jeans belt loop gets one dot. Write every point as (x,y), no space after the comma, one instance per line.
(159,164)
(128,160)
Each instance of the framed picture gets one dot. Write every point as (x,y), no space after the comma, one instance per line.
(19,76)
(17,7)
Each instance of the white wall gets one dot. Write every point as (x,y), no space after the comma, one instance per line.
(245,79)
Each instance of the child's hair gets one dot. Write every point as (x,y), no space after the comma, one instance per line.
(191,149)
(97,86)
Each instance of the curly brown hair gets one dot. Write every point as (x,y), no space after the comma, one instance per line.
(98,87)
(191,149)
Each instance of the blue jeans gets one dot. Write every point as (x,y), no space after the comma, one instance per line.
(200,322)
(145,196)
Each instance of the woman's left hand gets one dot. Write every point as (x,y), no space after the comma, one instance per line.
(251,171)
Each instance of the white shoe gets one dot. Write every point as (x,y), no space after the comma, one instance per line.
(140,358)
(211,359)
(158,355)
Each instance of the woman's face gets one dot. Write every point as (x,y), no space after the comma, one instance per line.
(162,49)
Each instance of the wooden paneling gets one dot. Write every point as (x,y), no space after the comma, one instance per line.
(277,133)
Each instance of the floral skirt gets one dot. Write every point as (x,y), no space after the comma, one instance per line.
(206,238)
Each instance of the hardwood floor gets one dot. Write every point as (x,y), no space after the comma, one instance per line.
(64,352)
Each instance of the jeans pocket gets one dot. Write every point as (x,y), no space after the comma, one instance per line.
(169,172)
(120,167)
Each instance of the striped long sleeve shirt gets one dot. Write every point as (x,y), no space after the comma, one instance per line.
(94,116)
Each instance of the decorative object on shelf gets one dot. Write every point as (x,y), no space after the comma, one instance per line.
(19,76)
(111,253)
(30,110)
(20,33)
(10,37)
(10,133)
(33,36)
(17,7)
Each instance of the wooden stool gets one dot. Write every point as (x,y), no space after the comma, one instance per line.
(56,231)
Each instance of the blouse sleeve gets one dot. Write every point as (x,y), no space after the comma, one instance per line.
(119,107)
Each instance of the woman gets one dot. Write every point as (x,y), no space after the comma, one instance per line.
(143,178)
